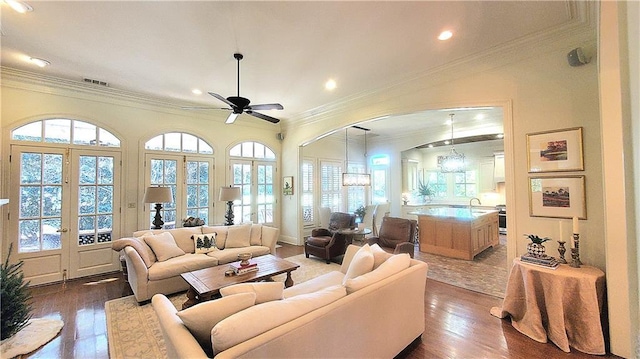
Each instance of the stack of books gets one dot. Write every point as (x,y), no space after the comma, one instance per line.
(544,261)
(242,269)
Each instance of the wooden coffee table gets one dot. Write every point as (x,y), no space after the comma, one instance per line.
(204,284)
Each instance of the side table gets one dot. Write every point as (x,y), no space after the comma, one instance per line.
(355,234)
(564,305)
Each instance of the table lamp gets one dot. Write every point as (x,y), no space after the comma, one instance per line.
(158,195)
(229,194)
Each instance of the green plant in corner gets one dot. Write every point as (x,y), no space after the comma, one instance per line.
(15,299)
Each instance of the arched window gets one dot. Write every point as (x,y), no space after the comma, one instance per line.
(65,131)
(179,142)
(253,169)
(184,163)
(64,191)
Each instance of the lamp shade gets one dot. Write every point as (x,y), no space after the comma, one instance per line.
(229,194)
(158,195)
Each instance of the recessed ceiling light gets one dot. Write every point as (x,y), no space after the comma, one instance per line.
(430,145)
(479,116)
(19,6)
(39,62)
(196,91)
(448,122)
(447,142)
(445,35)
(500,135)
(330,85)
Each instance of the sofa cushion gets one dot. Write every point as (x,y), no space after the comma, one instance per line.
(391,266)
(315,284)
(260,318)
(163,246)
(204,243)
(256,235)
(229,255)
(183,239)
(178,265)
(239,236)
(221,231)
(202,317)
(361,263)
(379,255)
(264,291)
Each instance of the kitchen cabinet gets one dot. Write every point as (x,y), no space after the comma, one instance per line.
(498,168)
(457,232)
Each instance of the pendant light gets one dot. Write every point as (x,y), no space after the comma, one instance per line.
(454,162)
(349,178)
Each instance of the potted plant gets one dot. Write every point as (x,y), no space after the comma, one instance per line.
(425,191)
(16,298)
(359,213)
(536,248)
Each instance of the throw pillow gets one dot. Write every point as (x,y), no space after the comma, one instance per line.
(261,318)
(204,243)
(163,246)
(361,263)
(202,317)
(379,255)
(239,236)
(391,266)
(221,234)
(265,291)
(256,235)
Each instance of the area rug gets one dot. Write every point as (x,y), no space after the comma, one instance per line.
(37,333)
(487,273)
(133,330)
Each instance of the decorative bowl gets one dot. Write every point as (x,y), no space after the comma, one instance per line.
(244,258)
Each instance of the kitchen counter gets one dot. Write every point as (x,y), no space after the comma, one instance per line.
(457,232)
(463,214)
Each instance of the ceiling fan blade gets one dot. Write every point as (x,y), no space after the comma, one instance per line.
(204,108)
(222,99)
(262,116)
(232,117)
(266,106)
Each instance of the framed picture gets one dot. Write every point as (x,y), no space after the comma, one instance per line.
(557,197)
(555,151)
(287,186)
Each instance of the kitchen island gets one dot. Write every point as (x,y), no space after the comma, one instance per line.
(457,232)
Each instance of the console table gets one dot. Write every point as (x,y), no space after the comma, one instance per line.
(564,305)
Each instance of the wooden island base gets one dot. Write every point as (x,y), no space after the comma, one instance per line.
(457,233)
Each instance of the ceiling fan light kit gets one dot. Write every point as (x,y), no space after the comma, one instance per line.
(239,105)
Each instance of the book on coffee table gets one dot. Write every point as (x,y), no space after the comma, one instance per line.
(242,269)
(546,261)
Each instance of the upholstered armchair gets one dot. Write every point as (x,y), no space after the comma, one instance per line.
(396,234)
(327,243)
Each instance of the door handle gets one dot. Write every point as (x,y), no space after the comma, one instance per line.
(63,230)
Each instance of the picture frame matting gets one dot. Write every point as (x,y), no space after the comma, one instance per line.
(557,197)
(555,151)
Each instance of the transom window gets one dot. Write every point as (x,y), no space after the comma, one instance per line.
(252,150)
(178,142)
(65,131)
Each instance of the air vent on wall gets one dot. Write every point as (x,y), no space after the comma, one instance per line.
(96,82)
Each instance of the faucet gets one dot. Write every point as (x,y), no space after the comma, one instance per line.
(477,199)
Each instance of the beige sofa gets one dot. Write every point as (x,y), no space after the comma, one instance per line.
(377,316)
(148,276)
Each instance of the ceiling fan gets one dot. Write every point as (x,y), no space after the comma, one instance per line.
(239,105)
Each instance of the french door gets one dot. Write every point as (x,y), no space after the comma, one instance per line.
(256,180)
(64,211)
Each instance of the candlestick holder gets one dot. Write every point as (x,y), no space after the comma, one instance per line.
(562,250)
(575,251)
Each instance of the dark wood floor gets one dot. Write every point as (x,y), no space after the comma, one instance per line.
(458,323)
